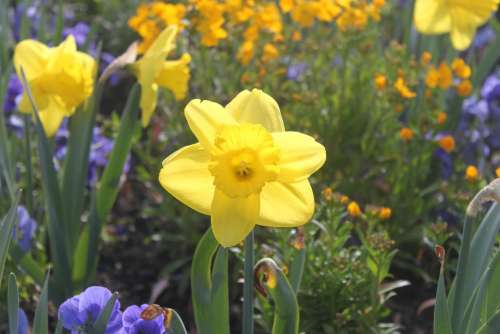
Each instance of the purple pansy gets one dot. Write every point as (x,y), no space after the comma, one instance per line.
(22,322)
(25,229)
(134,324)
(445,163)
(295,71)
(81,311)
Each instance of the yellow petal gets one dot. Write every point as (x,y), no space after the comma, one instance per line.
(461,36)
(205,118)
(300,155)
(31,56)
(149,97)
(432,16)
(174,75)
(52,116)
(286,204)
(163,44)
(233,218)
(185,175)
(257,107)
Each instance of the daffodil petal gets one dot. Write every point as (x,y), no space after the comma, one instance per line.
(52,116)
(233,218)
(185,175)
(163,44)
(174,75)
(257,107)
(461,36)
(432,16)
(32,57)
(300,155)
(286,204)
(205,118)
(149,97)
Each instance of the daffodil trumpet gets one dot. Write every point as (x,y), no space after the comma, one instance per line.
(245,170)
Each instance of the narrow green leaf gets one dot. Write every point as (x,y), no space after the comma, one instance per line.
(297,269)
(286,308)
(492,325)
(41,322)
(488,60)
(13,304)
(59,244)
(175,326)
(210,313)
(25,261)
(59,328)
(6,229)
(248,301)
(103,319)
(478,301)
(59,22)
(442,322)
(492,302)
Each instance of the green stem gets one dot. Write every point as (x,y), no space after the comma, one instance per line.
(248,285)
(29,173)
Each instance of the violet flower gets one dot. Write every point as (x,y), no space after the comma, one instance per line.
(80,32)
(22,322)
(25,229)
(296,71)
(79,313)
(134,324)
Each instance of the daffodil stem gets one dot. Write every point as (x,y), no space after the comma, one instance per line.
(29,174)
(248,285)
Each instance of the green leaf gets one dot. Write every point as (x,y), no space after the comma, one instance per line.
(59,242)
(492,325)
(442,322)
(25,261)
(103,319)
(13,304)
(286,308)
(492,302)
(477,301)
(6,229)
(41,322)
(297,269)
(175,326)
(489,58)
(209,286)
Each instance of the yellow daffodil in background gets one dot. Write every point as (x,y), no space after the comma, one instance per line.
(460,18)
(246,170)
(60,79)
(152,71)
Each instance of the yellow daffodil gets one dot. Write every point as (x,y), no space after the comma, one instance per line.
(60,79)
(246,170)
(460,18)
(152,71)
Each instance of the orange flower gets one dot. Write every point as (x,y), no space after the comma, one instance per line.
(445,76)
(385,213)
(464,88)
(471,173)
(380,81)
(327,194)
(447,143)
(403,89)
(460,68)
(441,117)
(406,134)
(426,58)
(353,209)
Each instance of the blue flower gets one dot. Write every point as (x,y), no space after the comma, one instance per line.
(445,163)
(81,312)
(80,32)
(295,71)
(13,94)
(483,37)
(25,229)
(134,324)
(22,322)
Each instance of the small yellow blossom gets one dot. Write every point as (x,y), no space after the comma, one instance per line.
(153,71)
(304,13)
(353,209)
(245,169)
(445,76)
(211,21)
(441,117)
(385,213)
(459,18)
(287,5)
(380,81)
(497,172)
(406,134)
(403,89)
(426,58)
(270,52)
(246,52)
(464,88)
(432,78)
(344,199)
(327,194)
(447,143)
(471,173)
(461,69)
(60,79)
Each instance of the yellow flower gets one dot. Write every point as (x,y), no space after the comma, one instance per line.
(432,78)
(211,21)
(343,199)
(441,117)
(246,170)
(287,5)
(152,70)
(445,76)
(246,52)
(460,18)
(353,209)
(426,58)
(385,213)
(304,13)
(497,172)
(327,194)
(404,90)
(406,134)
(464,88)
(60,79)
(296,36)
(270,53)
(380,81)
(471,173)
(460,68)
(447,143)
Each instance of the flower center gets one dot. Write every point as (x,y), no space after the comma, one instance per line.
(244,159)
